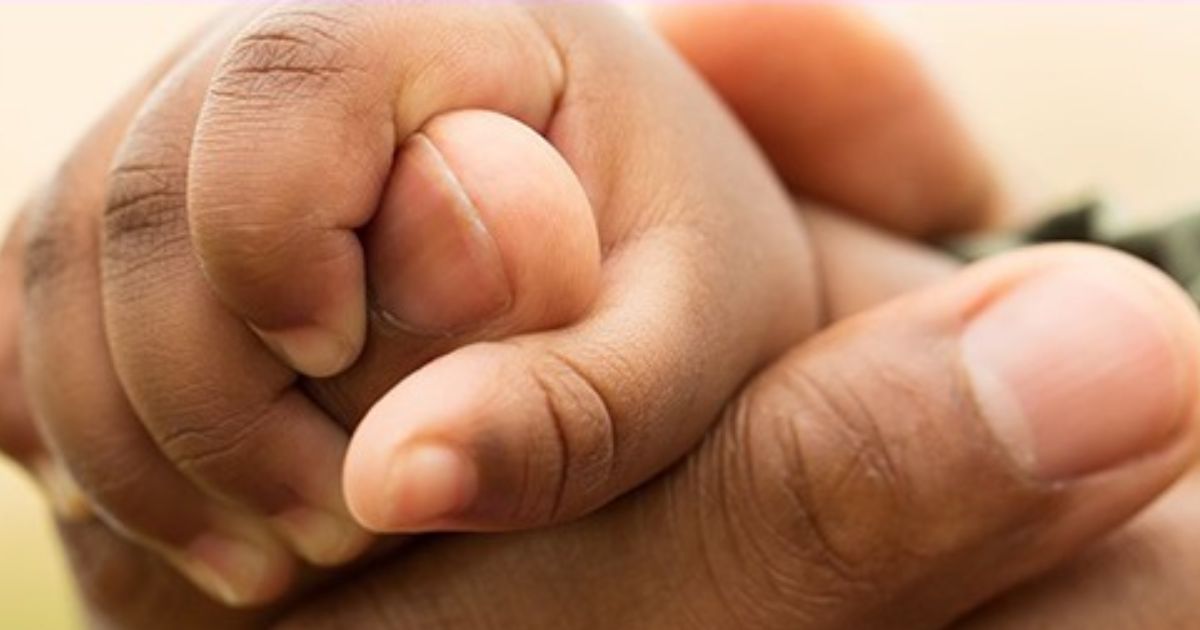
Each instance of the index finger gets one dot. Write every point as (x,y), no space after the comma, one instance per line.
(296,142)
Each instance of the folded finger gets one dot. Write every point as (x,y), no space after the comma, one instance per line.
(80,405)
(232,421)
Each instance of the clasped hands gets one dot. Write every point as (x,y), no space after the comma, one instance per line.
(336,274)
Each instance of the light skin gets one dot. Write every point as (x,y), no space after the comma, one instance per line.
(1099,479)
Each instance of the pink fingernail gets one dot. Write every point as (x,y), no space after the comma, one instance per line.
(434,266)
(1077,372)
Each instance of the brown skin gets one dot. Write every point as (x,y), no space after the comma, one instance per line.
(149,390)
(472,579)
(1144,576)
(582,417)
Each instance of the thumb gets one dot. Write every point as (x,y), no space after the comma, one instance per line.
(895,471)
(919,458)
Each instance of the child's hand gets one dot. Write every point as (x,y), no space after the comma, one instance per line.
(317,153)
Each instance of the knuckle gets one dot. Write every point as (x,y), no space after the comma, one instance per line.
(860,428)
(841,477)
(580,425)
(52,242)
(59,227)
(826,475)
(289,53)
(855,466)
(214,447)
(145,213)
(258,257)
(223,449)
(764,536)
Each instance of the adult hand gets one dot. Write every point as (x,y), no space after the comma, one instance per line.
(185,431)
(1135,289)
(898,471)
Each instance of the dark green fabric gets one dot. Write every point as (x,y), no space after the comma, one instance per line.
(1173,247)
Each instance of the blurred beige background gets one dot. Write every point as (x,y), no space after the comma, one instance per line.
(1067,98)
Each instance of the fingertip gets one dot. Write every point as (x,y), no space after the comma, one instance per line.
(460,445)
(239,573)
(322,538)
(1083,364)
(299,288)
(1107,369)
(314,350)
(407,468)
(425,485)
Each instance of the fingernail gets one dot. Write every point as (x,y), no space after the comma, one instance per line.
(427,482)
(321,538)
(65,497)
(312,350)
(434,267)
(1077,371)
(235,572)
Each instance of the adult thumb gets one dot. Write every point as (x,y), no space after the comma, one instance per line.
(896,471)
(915,460)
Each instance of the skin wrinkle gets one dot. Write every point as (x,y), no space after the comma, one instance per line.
(752,553)
(855,400)
(820,557)
(196,447)
(297,56)
(140,214)
(800,484)
(601,415)
(908,548)
(710,566)
(850,576)
(554,413)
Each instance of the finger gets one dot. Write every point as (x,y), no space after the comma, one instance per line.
(19,438)
(232,421)
(896,471)
(1141,577)
(276,232)
(80,405)
(703,265)
(465,240)
(122,584)
(467,248)
(947,445)
(862,266)
(846,114)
